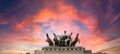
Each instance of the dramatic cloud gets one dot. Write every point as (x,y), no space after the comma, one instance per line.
(27,21)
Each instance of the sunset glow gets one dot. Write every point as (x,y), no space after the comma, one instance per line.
(24,23)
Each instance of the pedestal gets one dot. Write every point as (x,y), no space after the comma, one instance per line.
(63,50)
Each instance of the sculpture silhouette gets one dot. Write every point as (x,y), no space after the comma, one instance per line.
(62,40)
(49,40)
(70,36)
(67,41)
(55,40)
(76,40)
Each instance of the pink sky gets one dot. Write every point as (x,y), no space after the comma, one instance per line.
(24,30)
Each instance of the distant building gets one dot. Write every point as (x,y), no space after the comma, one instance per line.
(37,52)
(87,52)
(100,53)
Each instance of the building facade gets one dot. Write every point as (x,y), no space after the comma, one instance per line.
(63,50)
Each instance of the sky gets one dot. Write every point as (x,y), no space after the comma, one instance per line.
(24,24)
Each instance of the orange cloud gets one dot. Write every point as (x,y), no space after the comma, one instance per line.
(60,11)
(36,29)
(24,39)
(24,24)
(90,22)
(44,15)
(90,40)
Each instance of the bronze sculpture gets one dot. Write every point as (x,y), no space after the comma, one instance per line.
(55,40)
(76,40)
(49,40)
(70,36)
(67,41)
(64,40)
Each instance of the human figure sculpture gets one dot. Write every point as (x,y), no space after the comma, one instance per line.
(49,40)
(67,41)
(62,39)
(64,36)
(76,40)
(56,42)
(70,36)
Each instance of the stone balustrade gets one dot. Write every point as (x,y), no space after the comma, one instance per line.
(63,49)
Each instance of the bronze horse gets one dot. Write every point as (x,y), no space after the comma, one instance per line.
(76,40)
(49,40)
(55,40)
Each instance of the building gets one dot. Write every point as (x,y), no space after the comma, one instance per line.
(87,52)
(100,53)
(38,52)
(64,45)
(63,50)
